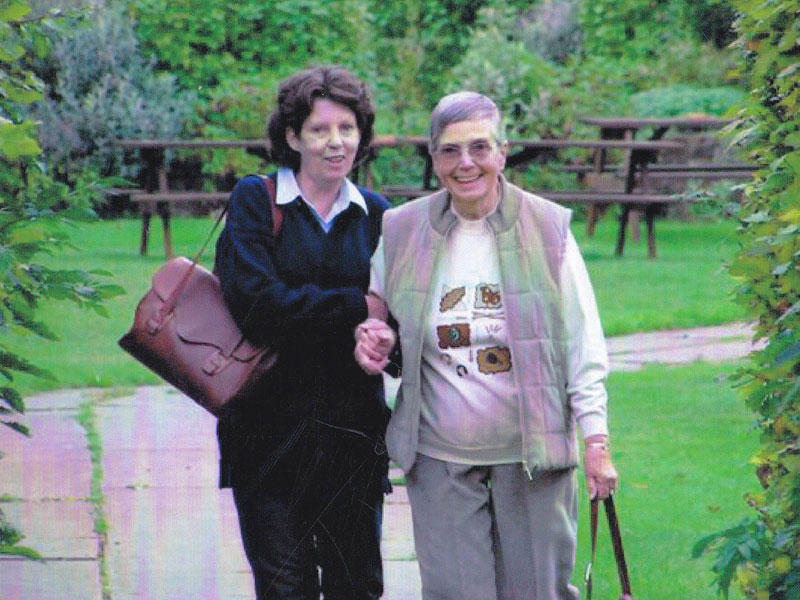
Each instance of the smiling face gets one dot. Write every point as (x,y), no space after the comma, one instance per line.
(327,143)
(467,160)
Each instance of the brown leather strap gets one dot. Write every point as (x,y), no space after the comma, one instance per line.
(616,541)
(277,213)
(277,221)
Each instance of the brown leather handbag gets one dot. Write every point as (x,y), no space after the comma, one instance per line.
(182,330)
(616,541)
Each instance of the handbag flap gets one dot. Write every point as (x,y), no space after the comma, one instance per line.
(200,314)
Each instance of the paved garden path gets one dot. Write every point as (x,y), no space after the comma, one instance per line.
(169,533)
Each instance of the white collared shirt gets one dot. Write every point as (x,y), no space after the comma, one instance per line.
(288,190)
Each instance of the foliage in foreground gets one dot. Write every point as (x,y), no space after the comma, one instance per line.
(35,214)
(762,553)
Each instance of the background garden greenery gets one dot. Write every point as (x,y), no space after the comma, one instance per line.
(91,72)
(210,68)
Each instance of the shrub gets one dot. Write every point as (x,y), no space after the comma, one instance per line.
(206,42)
(519,81)
(35,213)
(762,553)
(679,100)
(100,88)
(552,30)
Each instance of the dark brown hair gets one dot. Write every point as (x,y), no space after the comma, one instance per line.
(296,96)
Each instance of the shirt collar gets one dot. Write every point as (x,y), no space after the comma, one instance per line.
(288,191)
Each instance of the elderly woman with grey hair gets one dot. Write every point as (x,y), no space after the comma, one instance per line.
(503,360)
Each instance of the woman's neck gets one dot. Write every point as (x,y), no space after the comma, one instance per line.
(320,194)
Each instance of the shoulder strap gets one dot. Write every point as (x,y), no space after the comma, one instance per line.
(616,541)
(277,212)
(277,221)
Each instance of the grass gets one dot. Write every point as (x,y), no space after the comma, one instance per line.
(684,287)
(87,419)
(680,442)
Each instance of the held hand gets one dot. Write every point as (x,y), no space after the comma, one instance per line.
(376,307)
(374,341)
(601,476)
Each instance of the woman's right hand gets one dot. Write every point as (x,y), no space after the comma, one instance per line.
(374,341)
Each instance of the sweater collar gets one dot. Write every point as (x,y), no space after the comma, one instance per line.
(502,219)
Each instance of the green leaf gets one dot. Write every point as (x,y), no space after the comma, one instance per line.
(790,353)
(12,398)
(13,11)
(18,140)
(793,160)
(18,427)
(24,551)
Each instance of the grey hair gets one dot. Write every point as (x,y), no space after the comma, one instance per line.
(464,106)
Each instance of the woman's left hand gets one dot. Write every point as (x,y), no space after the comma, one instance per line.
(601,476)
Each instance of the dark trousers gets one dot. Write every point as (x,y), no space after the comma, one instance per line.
(321,515)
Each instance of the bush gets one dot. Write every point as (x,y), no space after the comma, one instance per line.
(208,42)
(34,219)
(761,555)
(519,81)
(679,100)
(99,89)
(552,30)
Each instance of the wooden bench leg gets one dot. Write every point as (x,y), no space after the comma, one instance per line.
(594,213)
(145,231)
(163,211)
(633,225)
(623,222)
(650,218)
(591,219)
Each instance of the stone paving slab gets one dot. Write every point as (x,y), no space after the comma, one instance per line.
(174,543)
(51,463)
(401,580)
(175,534)
(56,529)
(50,580)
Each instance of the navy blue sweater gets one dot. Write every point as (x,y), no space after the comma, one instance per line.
(303,293)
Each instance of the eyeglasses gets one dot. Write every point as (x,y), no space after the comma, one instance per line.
(450,154)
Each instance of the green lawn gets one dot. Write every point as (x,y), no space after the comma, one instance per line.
(684,287)
(680,442)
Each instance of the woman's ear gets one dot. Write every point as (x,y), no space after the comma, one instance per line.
(291,139)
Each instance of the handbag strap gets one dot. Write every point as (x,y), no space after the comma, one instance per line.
(616,541)
(277,221)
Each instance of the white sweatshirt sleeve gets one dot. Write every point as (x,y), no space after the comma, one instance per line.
(587,356)
(377,270)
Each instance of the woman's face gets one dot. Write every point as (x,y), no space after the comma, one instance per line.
(467,160)
(327,143)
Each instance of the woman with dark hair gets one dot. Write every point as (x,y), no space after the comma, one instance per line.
(306,458)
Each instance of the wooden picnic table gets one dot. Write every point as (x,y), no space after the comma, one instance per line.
(635,168)
(155,197)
